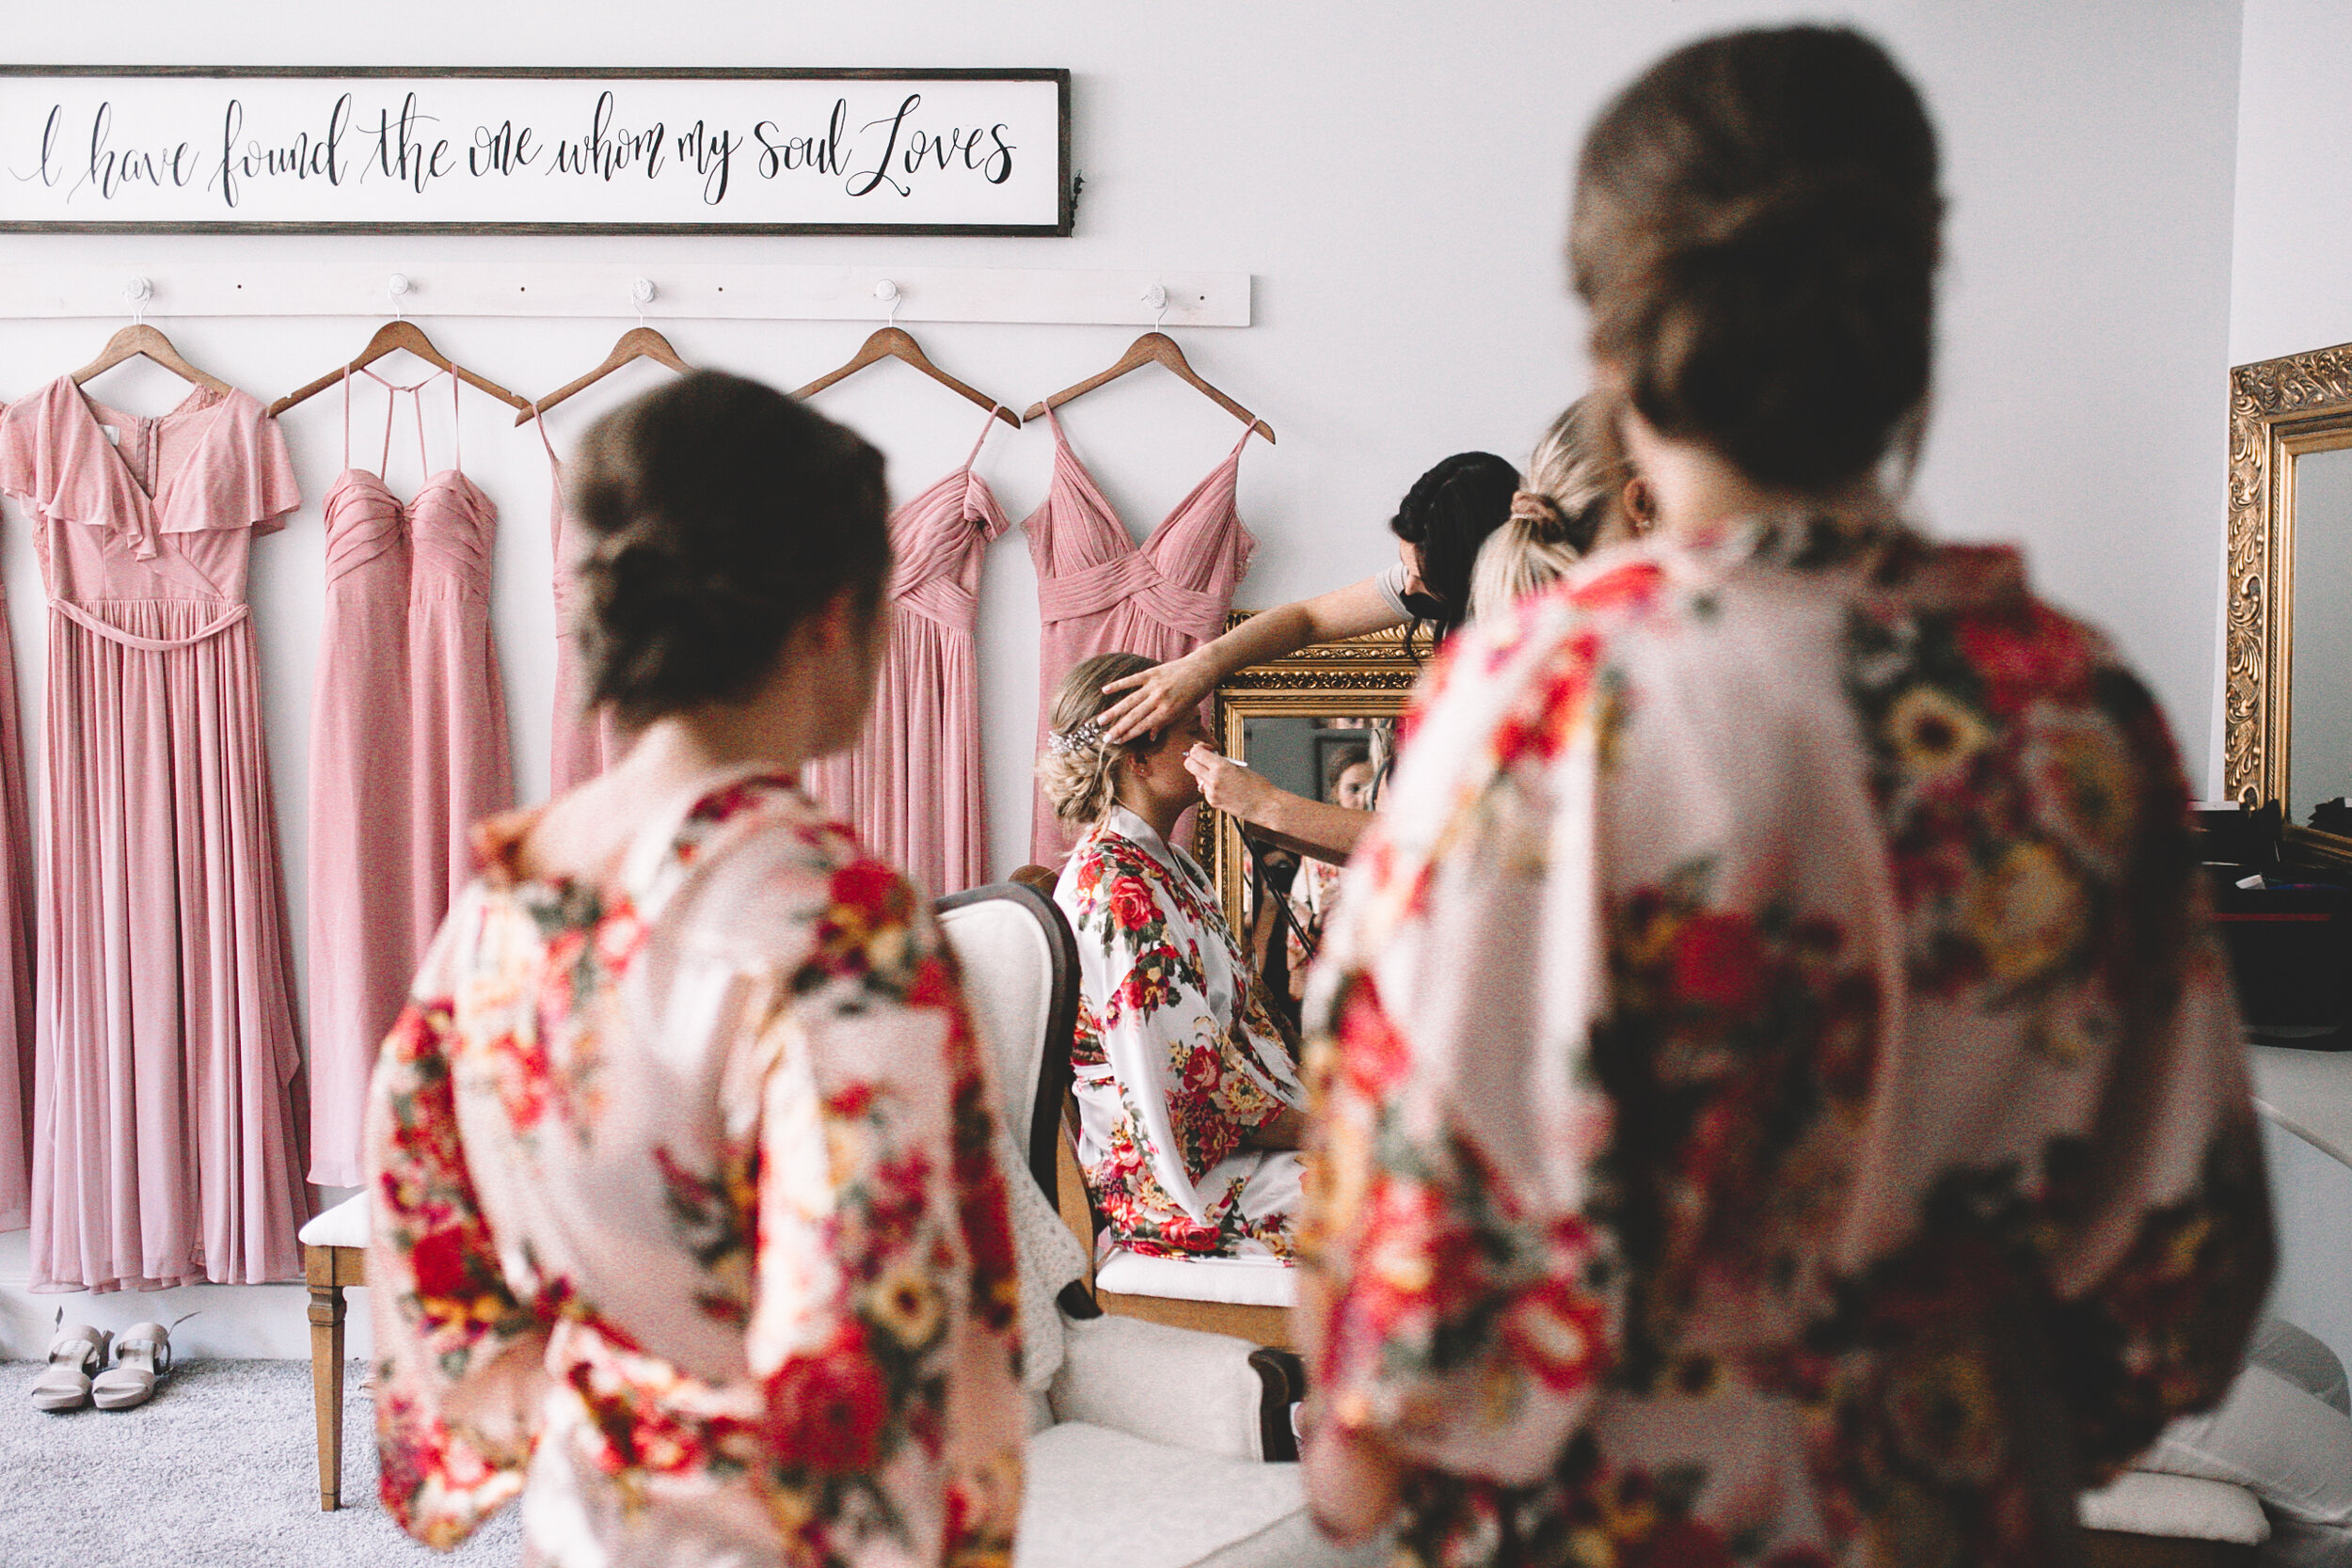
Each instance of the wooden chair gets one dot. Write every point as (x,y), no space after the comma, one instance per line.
(334,1259)
(1243,1298)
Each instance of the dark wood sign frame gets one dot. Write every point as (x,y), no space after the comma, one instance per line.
(1065,177)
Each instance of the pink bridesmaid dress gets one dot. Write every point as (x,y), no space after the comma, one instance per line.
(16,954)
(1098,591)
(164,1148)
(913,786)
(408,749)
(586,743)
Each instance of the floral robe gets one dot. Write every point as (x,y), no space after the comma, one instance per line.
(1176,1056)
(1778,1094)
(687,1225)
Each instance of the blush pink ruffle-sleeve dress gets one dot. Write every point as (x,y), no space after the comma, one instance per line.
(912,784)
(1098,591)
(408,749)
(165,1147)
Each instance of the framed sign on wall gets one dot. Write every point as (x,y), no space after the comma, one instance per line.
(232,149)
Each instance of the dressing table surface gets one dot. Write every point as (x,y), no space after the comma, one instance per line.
(2307,1092)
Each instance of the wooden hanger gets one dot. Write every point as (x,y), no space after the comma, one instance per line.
(141,339)
(1155,348)
(391,336)
(638,342)
(892,343)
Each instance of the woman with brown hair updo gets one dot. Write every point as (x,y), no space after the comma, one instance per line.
(687,1220)
(1776,1095)
(1187,1095)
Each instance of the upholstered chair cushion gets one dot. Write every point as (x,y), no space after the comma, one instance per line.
(1241,1281)
(345,1225)
(2141,1502)
(1177,1386)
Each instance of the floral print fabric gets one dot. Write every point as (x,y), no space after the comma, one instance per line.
(1778,1094)
(686,1212)
(1177,1059)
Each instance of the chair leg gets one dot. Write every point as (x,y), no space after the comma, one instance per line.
(326,1386)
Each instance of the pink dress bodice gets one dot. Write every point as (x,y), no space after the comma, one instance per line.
(913,786)
(1099,591)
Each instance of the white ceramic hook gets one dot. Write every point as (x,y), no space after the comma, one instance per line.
(399,288)
(640,293)
(887,292)
(138,290)
(1155,301)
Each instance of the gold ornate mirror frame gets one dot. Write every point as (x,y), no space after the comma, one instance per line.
(1367,676)
(2280,410)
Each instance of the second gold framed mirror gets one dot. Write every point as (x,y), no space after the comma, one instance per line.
(2287,694)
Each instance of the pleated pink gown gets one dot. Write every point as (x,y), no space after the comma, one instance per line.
(164,1144)
(16,953)
(585,742)
(913,786)
(1099,591)
(410,748)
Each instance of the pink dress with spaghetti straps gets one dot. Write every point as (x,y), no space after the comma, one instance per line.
(913,786)
(165,1143)
(410,748)
(1098,591)
(586,742)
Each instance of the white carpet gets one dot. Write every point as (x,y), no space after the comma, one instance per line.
(218,1470)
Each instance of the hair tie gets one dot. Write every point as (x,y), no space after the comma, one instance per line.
(1541,512)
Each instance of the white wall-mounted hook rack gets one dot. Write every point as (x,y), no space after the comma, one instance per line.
(580,289)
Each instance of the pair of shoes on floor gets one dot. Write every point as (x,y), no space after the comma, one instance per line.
(77,1373)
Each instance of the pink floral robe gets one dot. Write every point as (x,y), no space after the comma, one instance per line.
(687,1227)
(1779,1096)
(1176,1057)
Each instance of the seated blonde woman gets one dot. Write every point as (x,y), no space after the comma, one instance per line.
(1187,1095)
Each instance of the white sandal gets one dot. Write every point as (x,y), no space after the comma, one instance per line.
(76,1352)
(142,1356)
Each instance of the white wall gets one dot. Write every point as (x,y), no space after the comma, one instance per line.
(1395,177)
(2291,289)
(2290,272)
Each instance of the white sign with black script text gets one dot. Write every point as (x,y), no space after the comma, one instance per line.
(102,149)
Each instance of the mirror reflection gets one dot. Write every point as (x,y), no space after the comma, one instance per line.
(1287,898)
(2319,766)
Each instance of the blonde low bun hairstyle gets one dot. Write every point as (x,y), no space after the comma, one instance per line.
(1080,773)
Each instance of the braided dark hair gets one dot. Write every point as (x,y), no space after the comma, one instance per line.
(723,515)
(1447,515)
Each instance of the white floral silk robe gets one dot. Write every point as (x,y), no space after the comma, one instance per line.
(1176,1057)
(687,1224)
(1778,1098)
